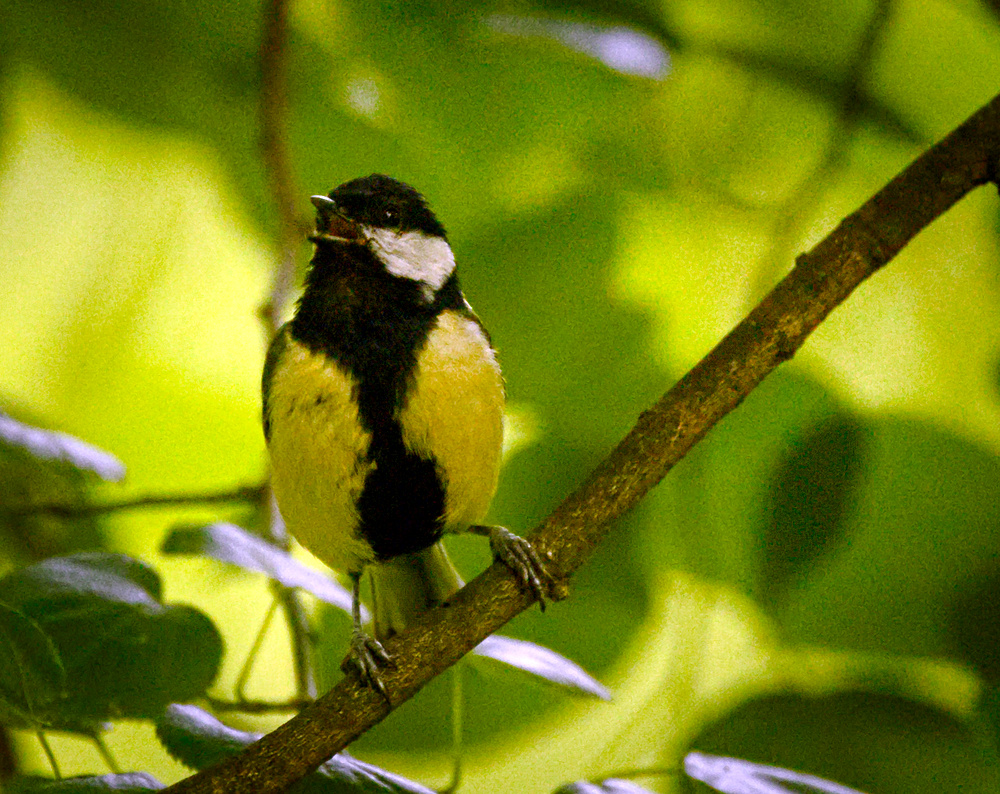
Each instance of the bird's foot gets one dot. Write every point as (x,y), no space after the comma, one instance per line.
(520,556)
(369,657)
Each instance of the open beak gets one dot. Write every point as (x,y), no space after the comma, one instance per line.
(330,223)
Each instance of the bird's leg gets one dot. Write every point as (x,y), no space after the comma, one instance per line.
(518,555)
(366,653)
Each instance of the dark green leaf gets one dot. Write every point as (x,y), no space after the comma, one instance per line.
(107,576)
(542,662)
(920,535)
(124,783)
(27,480)
(174,655)
(124,652)
(102,576)
(32,677)
(870,742)
(344,773)
(233,544)
(812,490)
(52,446)
(196,738)
(733,776)
(974,625)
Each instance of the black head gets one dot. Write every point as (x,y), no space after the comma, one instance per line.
(382,202)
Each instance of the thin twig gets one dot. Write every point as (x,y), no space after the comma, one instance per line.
(457,728)
(303,651)
(274,137)
(102,747)
(244,676)
(257,706)
(245,493)
(814,81)
(47,748)
(274,143)
(790,215)
(770,335)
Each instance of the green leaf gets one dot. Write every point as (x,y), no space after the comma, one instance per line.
(61,447)
(31,674)
(870,742)
(920,537)
(125,653)
(123,783)
(344,773)
(542,662)
(233,544)
(813,487)
(733,776)
(973,624)
(196,738)
(38,467)
(173,656)
(112,577)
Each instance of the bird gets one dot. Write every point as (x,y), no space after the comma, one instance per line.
(383,405)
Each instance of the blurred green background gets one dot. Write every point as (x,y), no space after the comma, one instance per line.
(817,585)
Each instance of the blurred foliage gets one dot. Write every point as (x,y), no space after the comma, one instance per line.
(40,467)
(868,741)
(86,638)
(815,586)
(130,783)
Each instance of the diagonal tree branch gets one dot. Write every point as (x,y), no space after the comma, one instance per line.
(770,335)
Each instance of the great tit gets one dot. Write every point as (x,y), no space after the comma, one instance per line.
(383,411)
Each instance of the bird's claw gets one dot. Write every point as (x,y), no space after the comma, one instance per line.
(368,657)
(520,556)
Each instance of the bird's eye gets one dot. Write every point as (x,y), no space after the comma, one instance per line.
(390,216)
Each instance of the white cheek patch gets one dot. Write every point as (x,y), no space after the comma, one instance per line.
(413,255)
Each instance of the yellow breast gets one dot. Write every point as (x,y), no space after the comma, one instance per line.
(454,412)
(318,454)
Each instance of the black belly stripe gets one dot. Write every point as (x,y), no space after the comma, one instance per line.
(377,334)
(402,504)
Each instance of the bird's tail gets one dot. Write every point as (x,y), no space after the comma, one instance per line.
(409,585)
